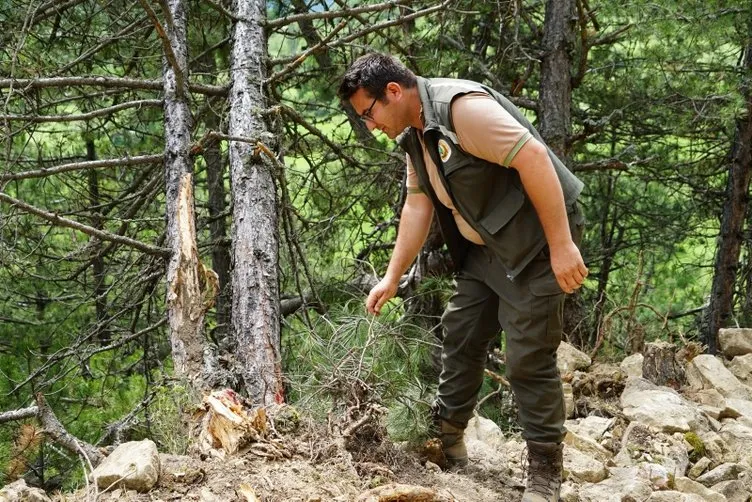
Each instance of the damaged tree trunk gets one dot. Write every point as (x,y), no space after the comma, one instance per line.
(255,242)
(185,309)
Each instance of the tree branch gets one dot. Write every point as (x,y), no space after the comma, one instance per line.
(55,431)
(127,83)
(84,116)
(167,46)
(101,234)
(330,14)
(22,414)
(91,164)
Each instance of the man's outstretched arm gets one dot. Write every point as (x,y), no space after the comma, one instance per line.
(415,222)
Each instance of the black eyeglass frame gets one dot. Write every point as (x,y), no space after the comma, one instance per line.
(366,115)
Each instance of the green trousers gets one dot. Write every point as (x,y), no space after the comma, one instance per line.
(530,310)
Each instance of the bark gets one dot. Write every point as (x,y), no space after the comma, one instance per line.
(556,86)
(556,120)
(732,221)
(255,242)
(185,312)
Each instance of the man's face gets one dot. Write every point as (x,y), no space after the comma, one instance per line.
(382,114)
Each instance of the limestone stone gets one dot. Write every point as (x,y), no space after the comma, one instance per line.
(674,496)
(591,426)
(724,472)
(734,490)
(741,367)
(624,484)
(716,447)
(736,436)
(569,492)
(133,466)
(485,430)
(706,371)
(18,491)
(738,407)
(568,358)
(659,407)
(700,467)
(735,341)
(686,485)
(632,365)
(180,469)
(642,445)
(582,467)
(568,399)
(587,446)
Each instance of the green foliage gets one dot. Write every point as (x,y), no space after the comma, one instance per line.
(169,417)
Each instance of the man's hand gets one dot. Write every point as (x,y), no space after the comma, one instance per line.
(380,294)
(568,266)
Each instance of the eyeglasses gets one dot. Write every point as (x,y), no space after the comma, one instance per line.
(367,115)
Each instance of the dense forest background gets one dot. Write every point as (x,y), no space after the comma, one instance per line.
(185,204)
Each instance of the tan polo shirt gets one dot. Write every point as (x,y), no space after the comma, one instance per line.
(484,129)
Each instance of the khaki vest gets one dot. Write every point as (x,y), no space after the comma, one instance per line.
(490,197)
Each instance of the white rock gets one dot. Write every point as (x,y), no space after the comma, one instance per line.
(724,472)
(659,407)
(736,436)
(657,475)
(741,367)
(700,467)
(733,490)
(591,426)
(673,496)
(735,341)
(485,430)
(686,485)
(568,399)
(569,492)
(642,445)
(716,448)
(739,407)
(133,466)
(707,371)
(569,359)
(18,491)
(582,467)
(624,484)
(587,446)
(632,365)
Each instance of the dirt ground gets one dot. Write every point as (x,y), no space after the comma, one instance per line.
(309,465)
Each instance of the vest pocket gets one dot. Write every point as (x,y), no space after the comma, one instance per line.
(505,211)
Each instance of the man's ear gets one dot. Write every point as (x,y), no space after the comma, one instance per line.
(394,89)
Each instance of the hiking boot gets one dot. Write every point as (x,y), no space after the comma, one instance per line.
(452,434)
(545,462)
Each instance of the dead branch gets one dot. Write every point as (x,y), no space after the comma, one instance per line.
(299,61)
(166,46)
(92,164)
(371,29)
(84,116)
(308,16)
(101,234)
(56,432)
(109,82)
(22,414)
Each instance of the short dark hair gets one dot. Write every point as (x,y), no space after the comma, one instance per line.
(373,72)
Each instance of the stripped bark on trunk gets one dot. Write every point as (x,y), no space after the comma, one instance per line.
(255,241)
(185,310)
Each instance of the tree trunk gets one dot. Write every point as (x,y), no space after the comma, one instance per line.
(556,82)
(734,212)
(255,242)
(97,262)
(185,311)
(555,118)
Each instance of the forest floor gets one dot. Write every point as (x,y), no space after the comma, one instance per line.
(312,465)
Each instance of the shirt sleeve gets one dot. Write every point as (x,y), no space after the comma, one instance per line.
(486,130)
(412,183)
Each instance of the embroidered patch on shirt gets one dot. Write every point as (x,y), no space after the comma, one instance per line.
(444,150)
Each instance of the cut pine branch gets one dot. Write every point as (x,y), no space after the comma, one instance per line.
(108,82)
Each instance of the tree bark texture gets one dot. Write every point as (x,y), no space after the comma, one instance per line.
(255,240)
(734,212)
(556,83)
(185,311)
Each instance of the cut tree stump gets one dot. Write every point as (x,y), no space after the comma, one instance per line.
(661,366)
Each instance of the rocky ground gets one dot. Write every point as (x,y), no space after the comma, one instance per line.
(669,425)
